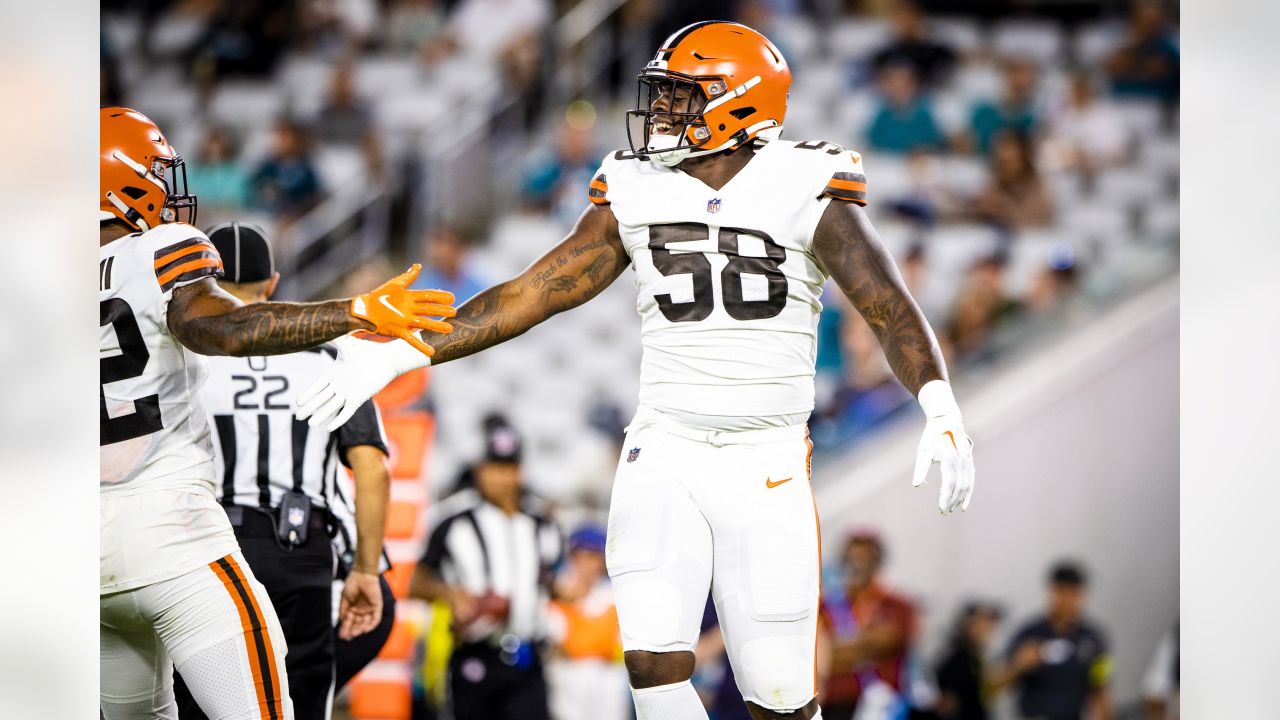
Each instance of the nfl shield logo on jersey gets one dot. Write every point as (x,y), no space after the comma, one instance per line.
(713,205)
(633,454)
(295,517)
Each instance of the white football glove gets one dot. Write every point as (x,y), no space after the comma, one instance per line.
(362,369)
(945,442)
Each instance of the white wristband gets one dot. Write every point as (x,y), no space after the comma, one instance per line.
(937,399)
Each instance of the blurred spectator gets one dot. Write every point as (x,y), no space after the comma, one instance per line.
(110,91)
(980,305)
(1014,111)
(587,680)
(904,121)
(412,24)
(557,180)
(447,267)
(962,673)
(345,118)
(927,198)
(490,559)
(1086,134)
(286,181)
(1059,663)
(217,175)
(1161,685)
(865,636)
(241,39)
(1054,282)
(911,45)
(1146,65)
(1016,197)
(829,366)
(503,32)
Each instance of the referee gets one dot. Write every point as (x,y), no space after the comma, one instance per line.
(492,560)
(278,481)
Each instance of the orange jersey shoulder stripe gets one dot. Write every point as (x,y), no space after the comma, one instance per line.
(162,260)
(188,266)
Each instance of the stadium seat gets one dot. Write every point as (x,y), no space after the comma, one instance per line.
(1039,40)
(1094,41)
(964,34)
(246,103)
(415,109)
(857,38)
(402,520)
(976,81)
(409,435)
(1143,117)
(1127,187)
(952,111)
(339,167)
(376,76)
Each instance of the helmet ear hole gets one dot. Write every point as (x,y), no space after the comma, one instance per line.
(134,193)
(741,113)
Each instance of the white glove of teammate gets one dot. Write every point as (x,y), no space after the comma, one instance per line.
(945,442)
(362,369)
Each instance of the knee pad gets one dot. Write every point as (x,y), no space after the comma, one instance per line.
(776,673)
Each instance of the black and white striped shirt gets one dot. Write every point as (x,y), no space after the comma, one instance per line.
(261,450)
(481,549)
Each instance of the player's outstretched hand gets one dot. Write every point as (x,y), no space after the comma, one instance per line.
(360,609)
(364,366)
(396,311)
(946,443)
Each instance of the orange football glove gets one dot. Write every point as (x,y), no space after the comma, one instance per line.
(397,311)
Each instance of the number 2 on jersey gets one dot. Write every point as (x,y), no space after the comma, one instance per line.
(130,363)
(698,267)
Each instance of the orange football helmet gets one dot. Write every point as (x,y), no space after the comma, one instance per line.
(712,87)
(143,180)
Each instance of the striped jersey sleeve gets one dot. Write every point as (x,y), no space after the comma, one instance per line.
(185,262)
(598,190)
(848,182)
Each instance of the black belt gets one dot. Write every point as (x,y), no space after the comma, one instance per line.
(246,515)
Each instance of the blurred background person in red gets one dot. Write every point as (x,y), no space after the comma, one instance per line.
(1059,663)
(866,633)
(964,690)
(586,678)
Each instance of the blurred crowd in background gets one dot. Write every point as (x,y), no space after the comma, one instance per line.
(1021,156)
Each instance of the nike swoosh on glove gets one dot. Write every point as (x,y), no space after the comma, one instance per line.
(946,443)
(362,369)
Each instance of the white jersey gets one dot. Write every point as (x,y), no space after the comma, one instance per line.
(728,286)
(159,517)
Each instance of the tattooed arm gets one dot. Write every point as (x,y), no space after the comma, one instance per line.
(576,270)
(852,253)
(210,321)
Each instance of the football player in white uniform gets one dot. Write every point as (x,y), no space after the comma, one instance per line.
(174,588)
(732,233)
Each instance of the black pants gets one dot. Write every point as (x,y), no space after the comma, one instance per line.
(483,687)
(300,585)
(352,655)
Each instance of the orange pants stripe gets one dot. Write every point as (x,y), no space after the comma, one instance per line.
(266,678)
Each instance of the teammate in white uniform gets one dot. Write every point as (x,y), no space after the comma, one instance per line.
(175,590)
(732,233)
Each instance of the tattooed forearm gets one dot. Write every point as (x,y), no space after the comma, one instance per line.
(577,270)
(853,255)
(267,328)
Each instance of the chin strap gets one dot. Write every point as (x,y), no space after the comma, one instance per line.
(765,130)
